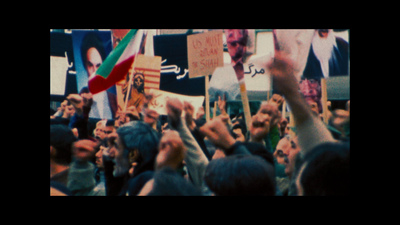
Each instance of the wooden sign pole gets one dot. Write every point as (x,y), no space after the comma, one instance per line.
(129,84)
(207,98)
(324,100)
(284,109)
(245,102)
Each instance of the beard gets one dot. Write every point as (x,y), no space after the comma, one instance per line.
(323,48)
(121,166)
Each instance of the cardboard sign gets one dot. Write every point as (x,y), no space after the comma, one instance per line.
(205,53)
(160,98)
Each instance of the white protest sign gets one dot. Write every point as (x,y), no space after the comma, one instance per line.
(160,98)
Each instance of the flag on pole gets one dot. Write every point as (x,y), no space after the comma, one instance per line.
(117,64)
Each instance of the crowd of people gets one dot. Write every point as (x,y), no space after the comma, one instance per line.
(141,153)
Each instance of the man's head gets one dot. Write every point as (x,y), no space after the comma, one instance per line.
(92,52)
(236,40)
(243,175)
(61,140)
(99,130)
(286,152)
(134,142)
(325,171)
(311,90)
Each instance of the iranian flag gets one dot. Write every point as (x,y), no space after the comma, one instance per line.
(117,64)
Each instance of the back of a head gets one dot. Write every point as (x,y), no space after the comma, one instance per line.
(327,170)
(259,150)
(167,182)
(241,175)
(62,138)
(137,135)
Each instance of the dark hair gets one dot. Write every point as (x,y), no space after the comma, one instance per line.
(167,182)
(84,90)
(90,40)
(110,123)
(137,135)
(62,138)
(241,125)
(243,175)
(327,170)
(260,150)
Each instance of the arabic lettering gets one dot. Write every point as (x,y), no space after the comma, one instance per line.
(262,71)
(173,69)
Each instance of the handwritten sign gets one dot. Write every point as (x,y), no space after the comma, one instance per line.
(205,53)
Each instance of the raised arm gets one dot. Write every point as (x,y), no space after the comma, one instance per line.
(311,131)
(195,159)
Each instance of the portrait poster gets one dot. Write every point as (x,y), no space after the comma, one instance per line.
(91,48)
(174,66)
(317,54)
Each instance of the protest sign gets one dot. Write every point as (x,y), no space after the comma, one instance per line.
(142,76)
(205,53)
(159,101)
(174,65)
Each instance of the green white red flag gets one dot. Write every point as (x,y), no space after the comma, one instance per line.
(117,64)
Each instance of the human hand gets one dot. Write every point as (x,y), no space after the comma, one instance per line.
(259,127)
(217,132)
(200,112)
(282,70)
(87,99)
(222,104)
(189,111)
(77,102)
(84,149)
(174,111)
(267,116)
(171,150)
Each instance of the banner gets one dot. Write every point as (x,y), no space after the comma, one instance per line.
(160,98)
(62,67)
(174,66)
(90,50)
